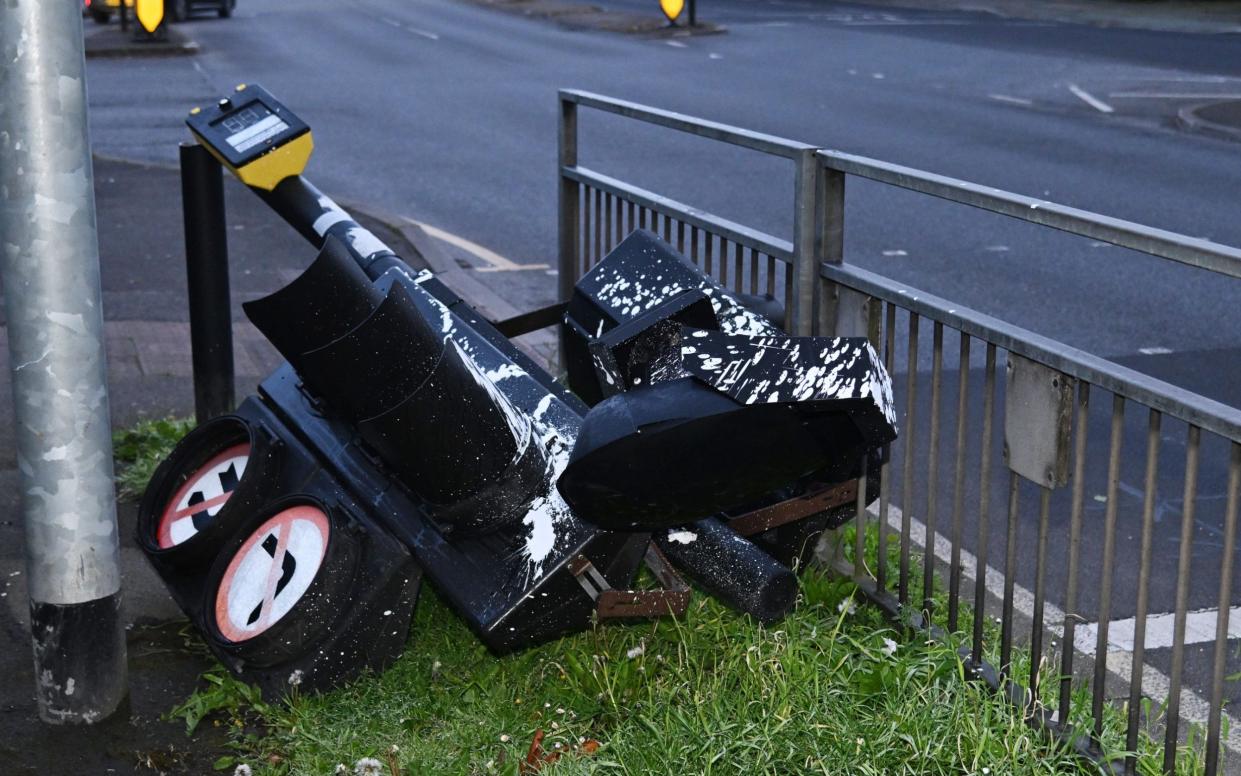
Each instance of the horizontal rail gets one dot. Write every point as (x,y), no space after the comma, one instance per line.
(756,141)
(722,227)
(1193,251)
(1190,407)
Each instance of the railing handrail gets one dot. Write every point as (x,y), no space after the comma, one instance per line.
(1171,400)
(773,246)
(1194,251)
(714,130)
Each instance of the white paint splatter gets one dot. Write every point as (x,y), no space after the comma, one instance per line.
(682,537)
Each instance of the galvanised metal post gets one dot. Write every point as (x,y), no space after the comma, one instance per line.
(206,275)
(831,229)
(568,207)
(807,245)
(49,256)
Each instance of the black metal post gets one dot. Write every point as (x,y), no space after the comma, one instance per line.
(124,17)
(693,13)
(206,270)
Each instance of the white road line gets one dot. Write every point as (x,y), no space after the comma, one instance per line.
(423,33)
(1155,350)
(1160,633)
(392,22)
(1155,684)
(495,262)
(1090,99)
(675,44)
(1013,100)
(1173,96)
(713,55)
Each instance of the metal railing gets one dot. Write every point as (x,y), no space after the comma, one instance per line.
(1041,451)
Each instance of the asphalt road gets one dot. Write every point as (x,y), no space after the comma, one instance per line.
(446,112)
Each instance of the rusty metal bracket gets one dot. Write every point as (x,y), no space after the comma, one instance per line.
(791,510)
(671,598)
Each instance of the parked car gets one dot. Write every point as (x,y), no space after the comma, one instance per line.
(178,10)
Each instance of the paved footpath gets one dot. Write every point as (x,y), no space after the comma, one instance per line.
(144,300)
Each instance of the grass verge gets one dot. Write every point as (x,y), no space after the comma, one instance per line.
(139,449)
(829,690)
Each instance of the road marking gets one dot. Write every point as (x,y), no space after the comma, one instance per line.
(1155,684)
(1090,99)
(675,44)
(1154,351)
(1013,100)
(1160,630)
(996,248)
(1173,96)
(392,22)
(495,262)
(423,33)
(895,253)
(713,55)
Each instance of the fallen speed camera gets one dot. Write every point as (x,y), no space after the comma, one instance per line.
(254,136)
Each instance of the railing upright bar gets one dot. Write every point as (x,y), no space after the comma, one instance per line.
(885,481)
(1144,569)
(1075,537)
(1185,558)
(1109,555)
(958,484)
(828,243)
(907,482)
(932,481)
(597,256)
(568,207)
(738,266)
(753,271)
(1010,576)
(1040,596)
(859,525)
(607,223)
(984,507)
(1225,602)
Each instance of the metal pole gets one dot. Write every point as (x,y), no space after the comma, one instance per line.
(206,274)
(807,245)
(124,17)
(49,257)
(693,13)
(567,209)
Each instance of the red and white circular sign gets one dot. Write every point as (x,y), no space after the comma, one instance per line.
(202,496)
(271,572)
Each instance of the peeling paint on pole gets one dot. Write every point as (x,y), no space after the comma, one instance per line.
(50,261)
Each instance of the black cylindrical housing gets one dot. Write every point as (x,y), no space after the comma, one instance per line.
(730,568)
(206,270)
(452,435)
(320,305)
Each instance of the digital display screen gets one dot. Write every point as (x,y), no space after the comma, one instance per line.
(250,126)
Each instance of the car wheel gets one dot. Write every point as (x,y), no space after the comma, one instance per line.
(180,10)
(226,8)
(100,17)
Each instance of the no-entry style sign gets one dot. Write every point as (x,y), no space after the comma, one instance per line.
(271,572)
(202,496)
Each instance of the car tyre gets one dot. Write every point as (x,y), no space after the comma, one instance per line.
(100,17)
